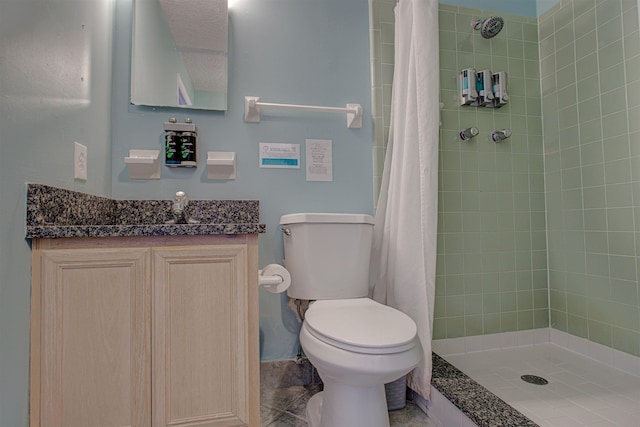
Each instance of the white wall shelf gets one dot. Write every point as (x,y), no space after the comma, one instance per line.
(143,164)
(221,165)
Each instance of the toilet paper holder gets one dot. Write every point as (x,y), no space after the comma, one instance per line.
(274,278)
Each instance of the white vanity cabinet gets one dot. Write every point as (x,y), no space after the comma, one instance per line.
(145,331)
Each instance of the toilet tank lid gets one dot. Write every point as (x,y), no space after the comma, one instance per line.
(334,218)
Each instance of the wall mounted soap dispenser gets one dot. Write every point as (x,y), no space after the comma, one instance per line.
(500,92)
(467,82)
(180,143)
(484,86)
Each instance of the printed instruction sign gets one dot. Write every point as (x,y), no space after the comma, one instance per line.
(280,156)
(319,160)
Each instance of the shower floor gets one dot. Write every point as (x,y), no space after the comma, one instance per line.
(580,392)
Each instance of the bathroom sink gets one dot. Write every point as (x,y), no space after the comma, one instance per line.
(54,212)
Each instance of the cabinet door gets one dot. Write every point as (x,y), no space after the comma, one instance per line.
(94,338)
(199,331)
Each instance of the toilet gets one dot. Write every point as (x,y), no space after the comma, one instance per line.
(356,344)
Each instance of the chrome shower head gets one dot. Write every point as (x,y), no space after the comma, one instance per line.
(488,27)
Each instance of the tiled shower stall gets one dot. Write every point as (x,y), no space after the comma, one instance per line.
(538,230)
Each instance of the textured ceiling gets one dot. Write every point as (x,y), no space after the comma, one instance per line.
(199,29)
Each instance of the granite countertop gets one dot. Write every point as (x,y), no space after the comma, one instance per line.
(481,406)
(55,213)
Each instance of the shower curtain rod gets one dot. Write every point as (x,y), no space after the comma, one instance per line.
(253,106)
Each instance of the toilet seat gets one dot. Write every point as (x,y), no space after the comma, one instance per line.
(361,325)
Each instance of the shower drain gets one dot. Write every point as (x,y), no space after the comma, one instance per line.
(534,379)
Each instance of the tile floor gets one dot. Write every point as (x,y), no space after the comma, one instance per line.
(581,391)
(286,407)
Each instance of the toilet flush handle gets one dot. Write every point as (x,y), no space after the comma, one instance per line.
(286,231)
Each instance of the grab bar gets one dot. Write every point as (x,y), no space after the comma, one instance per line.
(252,107)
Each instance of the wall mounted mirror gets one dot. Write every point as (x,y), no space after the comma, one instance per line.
(179,54)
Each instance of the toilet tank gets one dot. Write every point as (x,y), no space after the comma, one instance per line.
(327,254)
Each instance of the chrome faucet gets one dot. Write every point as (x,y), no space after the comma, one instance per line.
(180,202)
(500,135)
(468,133)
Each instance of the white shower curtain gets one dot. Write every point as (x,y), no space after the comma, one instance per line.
(404,243)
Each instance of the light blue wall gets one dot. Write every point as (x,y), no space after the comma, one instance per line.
(532,8)
(284,51)
(55,85)
(544,5)
(517,7)
(55,88)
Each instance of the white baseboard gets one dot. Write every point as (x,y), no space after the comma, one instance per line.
(609,356)
(462,345)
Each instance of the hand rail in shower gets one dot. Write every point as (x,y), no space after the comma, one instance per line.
(252,107)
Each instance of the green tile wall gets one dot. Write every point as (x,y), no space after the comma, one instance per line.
(382,38)
(574,82)
(590,63)
(491,266)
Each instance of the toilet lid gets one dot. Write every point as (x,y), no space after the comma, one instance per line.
(361,325)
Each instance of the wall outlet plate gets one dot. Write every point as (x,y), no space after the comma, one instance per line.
(79,161)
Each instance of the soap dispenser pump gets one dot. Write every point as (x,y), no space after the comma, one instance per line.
(188,141)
